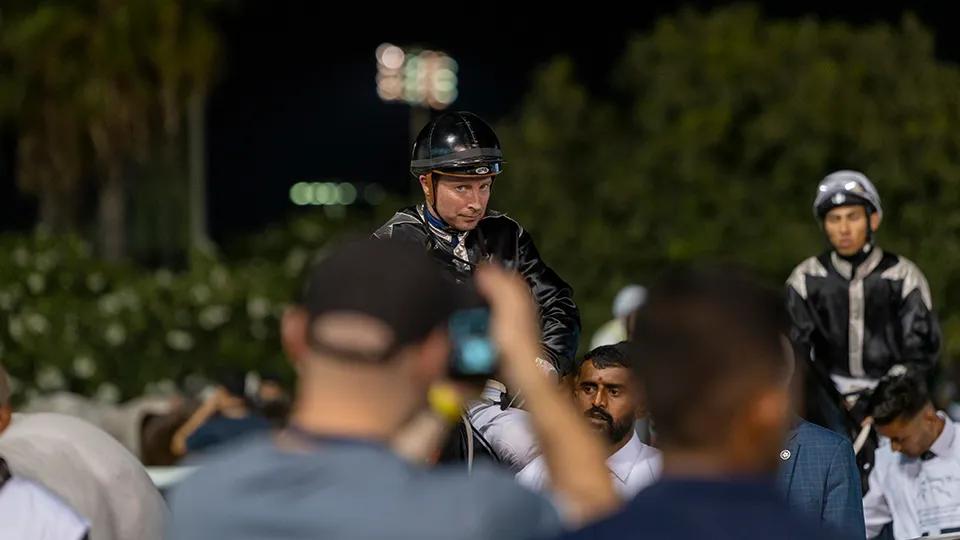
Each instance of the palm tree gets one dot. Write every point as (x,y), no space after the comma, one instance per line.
(97,87)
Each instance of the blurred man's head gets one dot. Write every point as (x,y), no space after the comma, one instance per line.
(714,371)
(370,328)
(233,385)
(607,392)
(903,412)
(6,408)
(848,228)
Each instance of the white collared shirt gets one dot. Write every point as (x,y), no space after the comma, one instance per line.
(633,467)
(28,510)
(921,497)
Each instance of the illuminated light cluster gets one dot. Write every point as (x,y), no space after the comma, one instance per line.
(416,77)
(334,194)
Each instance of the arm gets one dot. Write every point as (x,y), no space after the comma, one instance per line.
(918,323)
(842,503)
(559,316)
(802,324)
(178,444)
(574,456)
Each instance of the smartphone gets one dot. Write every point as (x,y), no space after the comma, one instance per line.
(473,355)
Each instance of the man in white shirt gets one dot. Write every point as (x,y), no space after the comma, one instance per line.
(84,466)
(611,398)
(915,482)
(28,510)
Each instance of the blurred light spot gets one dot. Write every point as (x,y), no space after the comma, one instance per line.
(347,193)
(301,194)
(374,194)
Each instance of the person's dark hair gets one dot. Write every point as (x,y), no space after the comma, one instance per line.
(709,339)
(607,356)
(235,383)
(898,396)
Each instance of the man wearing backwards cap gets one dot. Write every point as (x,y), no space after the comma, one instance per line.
(456,158)
(368,344)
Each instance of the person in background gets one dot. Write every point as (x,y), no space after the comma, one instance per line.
(915,482)
(225,415)
(29,511)
(818,471)
(713,366)
(856,310)
(272,400)
(456,159)
(606,390)
(86,468)
(625,304)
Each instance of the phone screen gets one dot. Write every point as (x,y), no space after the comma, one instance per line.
(473,354)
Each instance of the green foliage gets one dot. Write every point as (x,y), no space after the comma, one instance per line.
(711,148)
(69,320)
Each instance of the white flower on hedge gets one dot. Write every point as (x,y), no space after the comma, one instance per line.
(163,387)
(200,294)
(213,316)
(164,278)
(179,340)
(258,307)
(109,304)
(107,393)
(36,283)
(129,298)
(15,326)
(36,323)
(84,367)
(219,277)
(115,334)
(96,282)
(50,378)
(21,256)
(46,261)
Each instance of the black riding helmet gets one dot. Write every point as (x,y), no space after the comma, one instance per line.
(457,144)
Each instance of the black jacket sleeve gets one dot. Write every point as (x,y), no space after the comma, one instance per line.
(559,316)
(920,331)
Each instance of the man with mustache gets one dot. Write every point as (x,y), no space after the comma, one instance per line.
(607,392)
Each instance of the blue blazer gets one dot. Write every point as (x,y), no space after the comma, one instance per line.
(818,474)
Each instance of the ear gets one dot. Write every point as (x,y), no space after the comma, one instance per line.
(874,221)
(5,415)
(771,409)
(641,410)
(293,334)
(929,413)
(432,356)
(426,184)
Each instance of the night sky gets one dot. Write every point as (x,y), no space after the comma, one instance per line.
(296,97)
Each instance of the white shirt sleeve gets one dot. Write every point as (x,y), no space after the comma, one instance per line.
(533,476)
(27,510)
(876,510)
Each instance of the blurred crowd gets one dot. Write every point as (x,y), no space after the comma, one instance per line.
(439,394)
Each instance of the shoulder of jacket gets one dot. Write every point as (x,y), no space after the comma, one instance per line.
(798,278)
